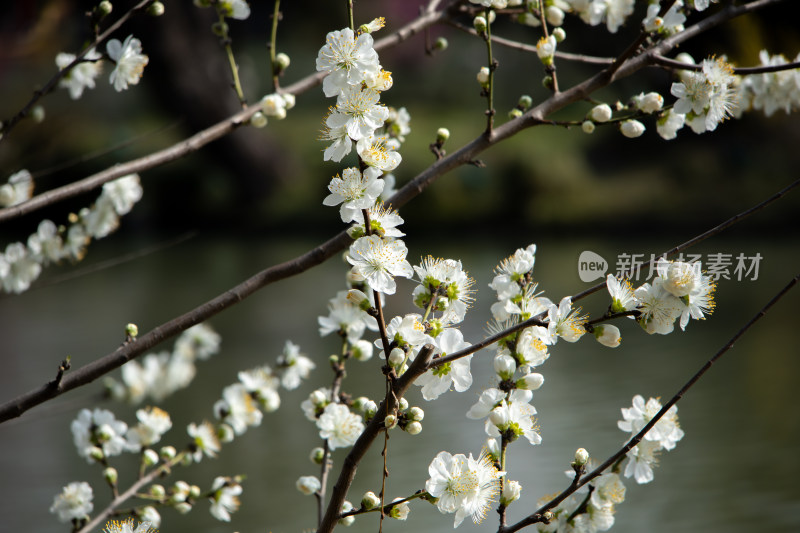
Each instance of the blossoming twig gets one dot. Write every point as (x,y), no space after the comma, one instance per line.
(7,125)
(578,481)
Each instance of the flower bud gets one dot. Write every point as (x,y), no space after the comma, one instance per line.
(547,82)
(194,492)
(258,120)
(499,417)
(131,330)
(525,102)
(359,299)
(149,457)
(220,29)
(511,491)
(559,34)
(479,23)
(483,76)
(282,61)
(600,113)
(167,453)
(308,485)
(149,514)
(157,491)
(390,421)
(442,134)
(505,366)
(96,453)
(318,398)
(180,488)
(413,428)
(554,15)
(333,359)
(581,457)
(440,44)
(631,128)
(225,433)
(347,520)
(588,126)
(649,103)
(531,381)
(317,455)
(105,8)
(37,114)
(415,414)
(370,500)
(514,113)
(183,507)
(493,447)
(396,357)
(110,475)
(156,9)
(403,404)
(607,335)
(370,408)
(399,511)
(362,350)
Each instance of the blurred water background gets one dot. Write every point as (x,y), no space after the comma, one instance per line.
(210,220)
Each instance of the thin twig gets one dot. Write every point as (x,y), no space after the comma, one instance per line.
(742,71)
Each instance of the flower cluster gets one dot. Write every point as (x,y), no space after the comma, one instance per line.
(21,264)
(664,435)
(680,290)
(771,91)
(128,59)
(158,375)
(705,97)
(588,513)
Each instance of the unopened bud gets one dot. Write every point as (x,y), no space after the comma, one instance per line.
(149,457)
(317,455)
(483,76)
(415,414)
(559,34)
(504,366)
(442,134)
(403,404)
(413,428)
(225,433)
(194,492)
(525,102)
(531,381)
(511,491)
(308,485)
(554,15)
(157,491)
(581,457)
(514,113)
(607,335)
(479,23)
(104,8)
(588,126)
(131,330)
(167,453)
(396,357)
(156,9)
(37,114)
(390,421)
(440,44)
(183,507)
(282,61)
(631,128)
(370,500)
(110,475)
(258,120)
(601,113)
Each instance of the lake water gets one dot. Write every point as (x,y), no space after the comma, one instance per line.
(735,471)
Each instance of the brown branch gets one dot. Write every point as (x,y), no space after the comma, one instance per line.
(537,516)
(399,386)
